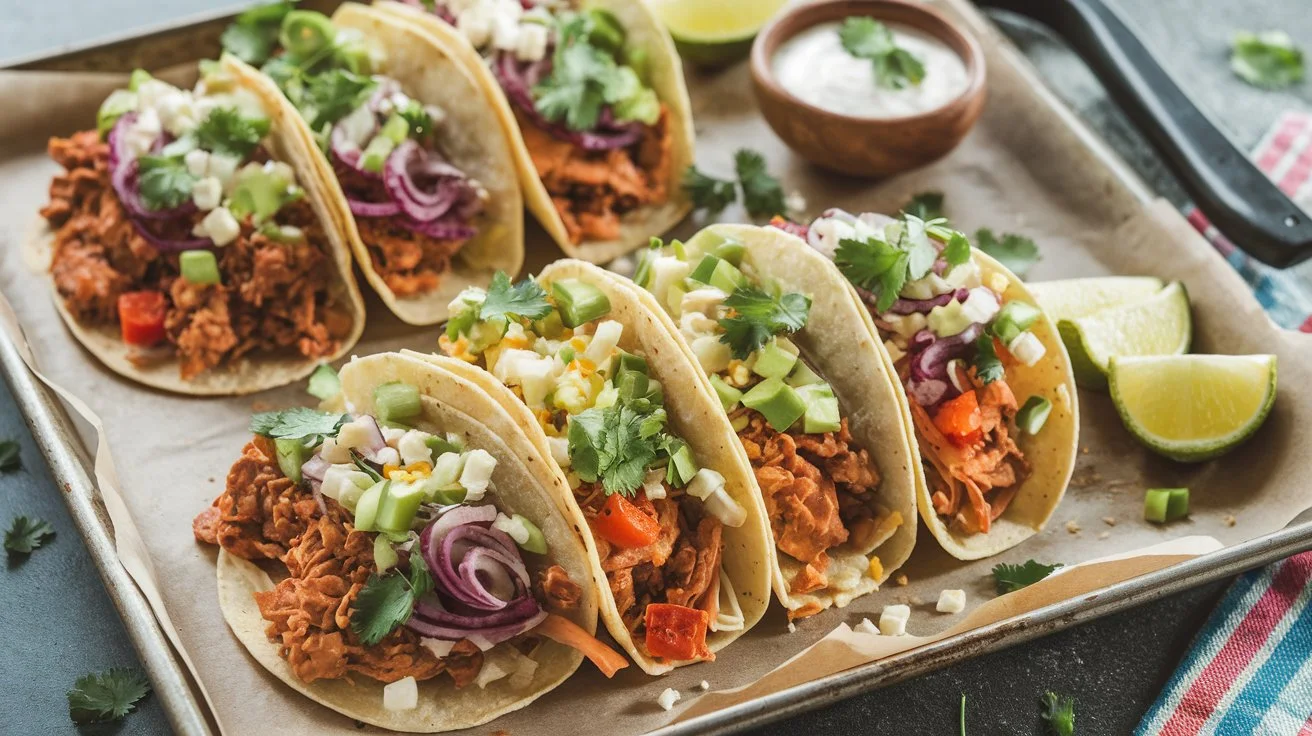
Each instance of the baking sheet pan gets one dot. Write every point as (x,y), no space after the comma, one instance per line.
(1029,167)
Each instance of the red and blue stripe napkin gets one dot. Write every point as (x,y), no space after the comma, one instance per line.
(1249,671)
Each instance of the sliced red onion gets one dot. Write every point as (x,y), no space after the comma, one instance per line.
(439,230)
(438,625)
(925,306)
(518,78)
(360,208)
(315,468)
(424,205)
(165,245)
(460,515)
(932,360)
(376,441)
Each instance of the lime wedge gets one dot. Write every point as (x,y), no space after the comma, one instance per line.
(1074,298)
(1192,408)
(714,34)
(1158,325)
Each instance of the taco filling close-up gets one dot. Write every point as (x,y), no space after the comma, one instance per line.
(657,516)
(819,485)
(176,224)
(404,561)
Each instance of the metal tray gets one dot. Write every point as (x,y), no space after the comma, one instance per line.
(61,445)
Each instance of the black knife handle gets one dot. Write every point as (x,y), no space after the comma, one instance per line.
(1240,200)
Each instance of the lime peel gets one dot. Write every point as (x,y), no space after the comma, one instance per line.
(1158,325)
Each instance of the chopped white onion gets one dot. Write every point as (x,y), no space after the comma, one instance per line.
(1027,348)
(401,695)
(477,473)
(893,620)
(668,698)
(951,601)
(414,448)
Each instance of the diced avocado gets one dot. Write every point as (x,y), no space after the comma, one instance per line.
(384,554)
(776,359)
(731,251)
(674,296)
(1014,318)
(627,361)
(681,468)
(366,509)
(637,59)
(324,383)
(813,391)
(702,273)
(536,542)
(1177,505)
(655,394)
(1033,415)
(948,320)
(727,277)
(376,153)
(802,375)
(441,445)
(351,493)
(729,396)
(260,194)
(631,384)
(566,354)
(822,416)
(119,103)
(706,241)
(291,456)
(778,402)
(396,129)
(399,506)
(740,422)
(549,326)
(396,402)
(448,495)
(579,302)
(607,33)
(199,266)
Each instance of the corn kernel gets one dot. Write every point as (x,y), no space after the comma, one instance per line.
(876,568)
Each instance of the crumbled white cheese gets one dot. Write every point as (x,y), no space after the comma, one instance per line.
(222,167)
(668,698)
(219,225)
(141,135)
(401,695)
(387,456)
(704,686)
(477,473)
(893,620)
(559,450)
(951,601)
(439,647)
(792,627)
(1027,348)
(514,528)
(795,203)
(198,162)
(532,42)
(866,627)
(207,193)
(435,114)
(413,446)
(475,25)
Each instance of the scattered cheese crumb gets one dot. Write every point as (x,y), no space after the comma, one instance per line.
(1229,519)
(792,627)
(903,579)
(668,698)
(704,686)
(915,600)
(1085,450)
(1104,535)
(795,203)
(1109,520)
(1073,526)
(893,621)
(951,601)
(866,627)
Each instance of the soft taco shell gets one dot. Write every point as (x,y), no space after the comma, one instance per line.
(694,414)
(1051,453)
(248,374)
(450,405)
(468,138)
(644,31)
(838,346)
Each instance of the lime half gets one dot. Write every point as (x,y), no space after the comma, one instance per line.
(1158,325)
(1192,408)
(713,34)
(1074,298)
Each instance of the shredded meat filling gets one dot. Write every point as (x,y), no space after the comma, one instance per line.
(592,190)
(555,587)
(274,295)
(814,488)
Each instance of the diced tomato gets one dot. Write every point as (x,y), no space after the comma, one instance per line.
(677,632)
(960,419)
(562,630)
(141,316)
(625,525)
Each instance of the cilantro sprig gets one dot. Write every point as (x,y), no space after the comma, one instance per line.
(762,194)
(756,316)
(25,535)
(586,78)
(1269,60)
(1008,578)
(1059,713)
(1017,252)
(386,601)
(164,181)
(227,131)
(925,205)
(614,445)
(884,266)
(867,38)
(526,299)
(106,696)
(10,457)
(988,367)
(296,423)
(254,34)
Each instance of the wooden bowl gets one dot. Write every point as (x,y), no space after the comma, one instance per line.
(862,146)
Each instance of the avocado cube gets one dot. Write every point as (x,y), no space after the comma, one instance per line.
(822,416)
(399,506)
(549,326)
(631,385)
(682,467)
(705,269)
(366,509)
(776,359)
(731,251)
(778,402)
(674,296)
(729,396)
(727,277)
(630,362)
(802,375)
(579,302)
(291,456)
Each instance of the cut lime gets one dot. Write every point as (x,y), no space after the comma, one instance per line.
(1158,325)
(1192,408)
(1074,298)
(714,34)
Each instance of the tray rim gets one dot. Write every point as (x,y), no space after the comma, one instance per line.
(60,445)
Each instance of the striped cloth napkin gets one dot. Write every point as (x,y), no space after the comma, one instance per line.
(1249,671)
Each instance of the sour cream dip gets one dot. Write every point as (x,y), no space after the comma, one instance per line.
(814,67)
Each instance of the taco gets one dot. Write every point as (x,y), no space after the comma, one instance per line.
(678,541)
(808,394)
(188,248)
(592,93)
(428,580)
(986,377)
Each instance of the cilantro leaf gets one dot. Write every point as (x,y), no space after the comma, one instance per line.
(1017,252)
(1009,578)
(1059,713)
(254,34)
(1269,60)
(296,423)
(421,580)
(609,444)
(226,131)
(867,38)
(921,253)
(583,78)
(164,181)
(874,265)
(416,115)
(957,251)
(925,205)
(26,534)
(988,368)
(763,196)
(10,460)
(757,316)
(384,603)
(106,696)
(525,299)
(332,95)
(707,192)
(899,68)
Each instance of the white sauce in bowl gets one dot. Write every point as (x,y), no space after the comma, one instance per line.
(814,67)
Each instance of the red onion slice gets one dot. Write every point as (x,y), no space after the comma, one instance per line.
(360,208)
(919,306)
(518,79)
(315,468)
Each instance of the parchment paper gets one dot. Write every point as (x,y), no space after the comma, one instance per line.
(1027,167)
